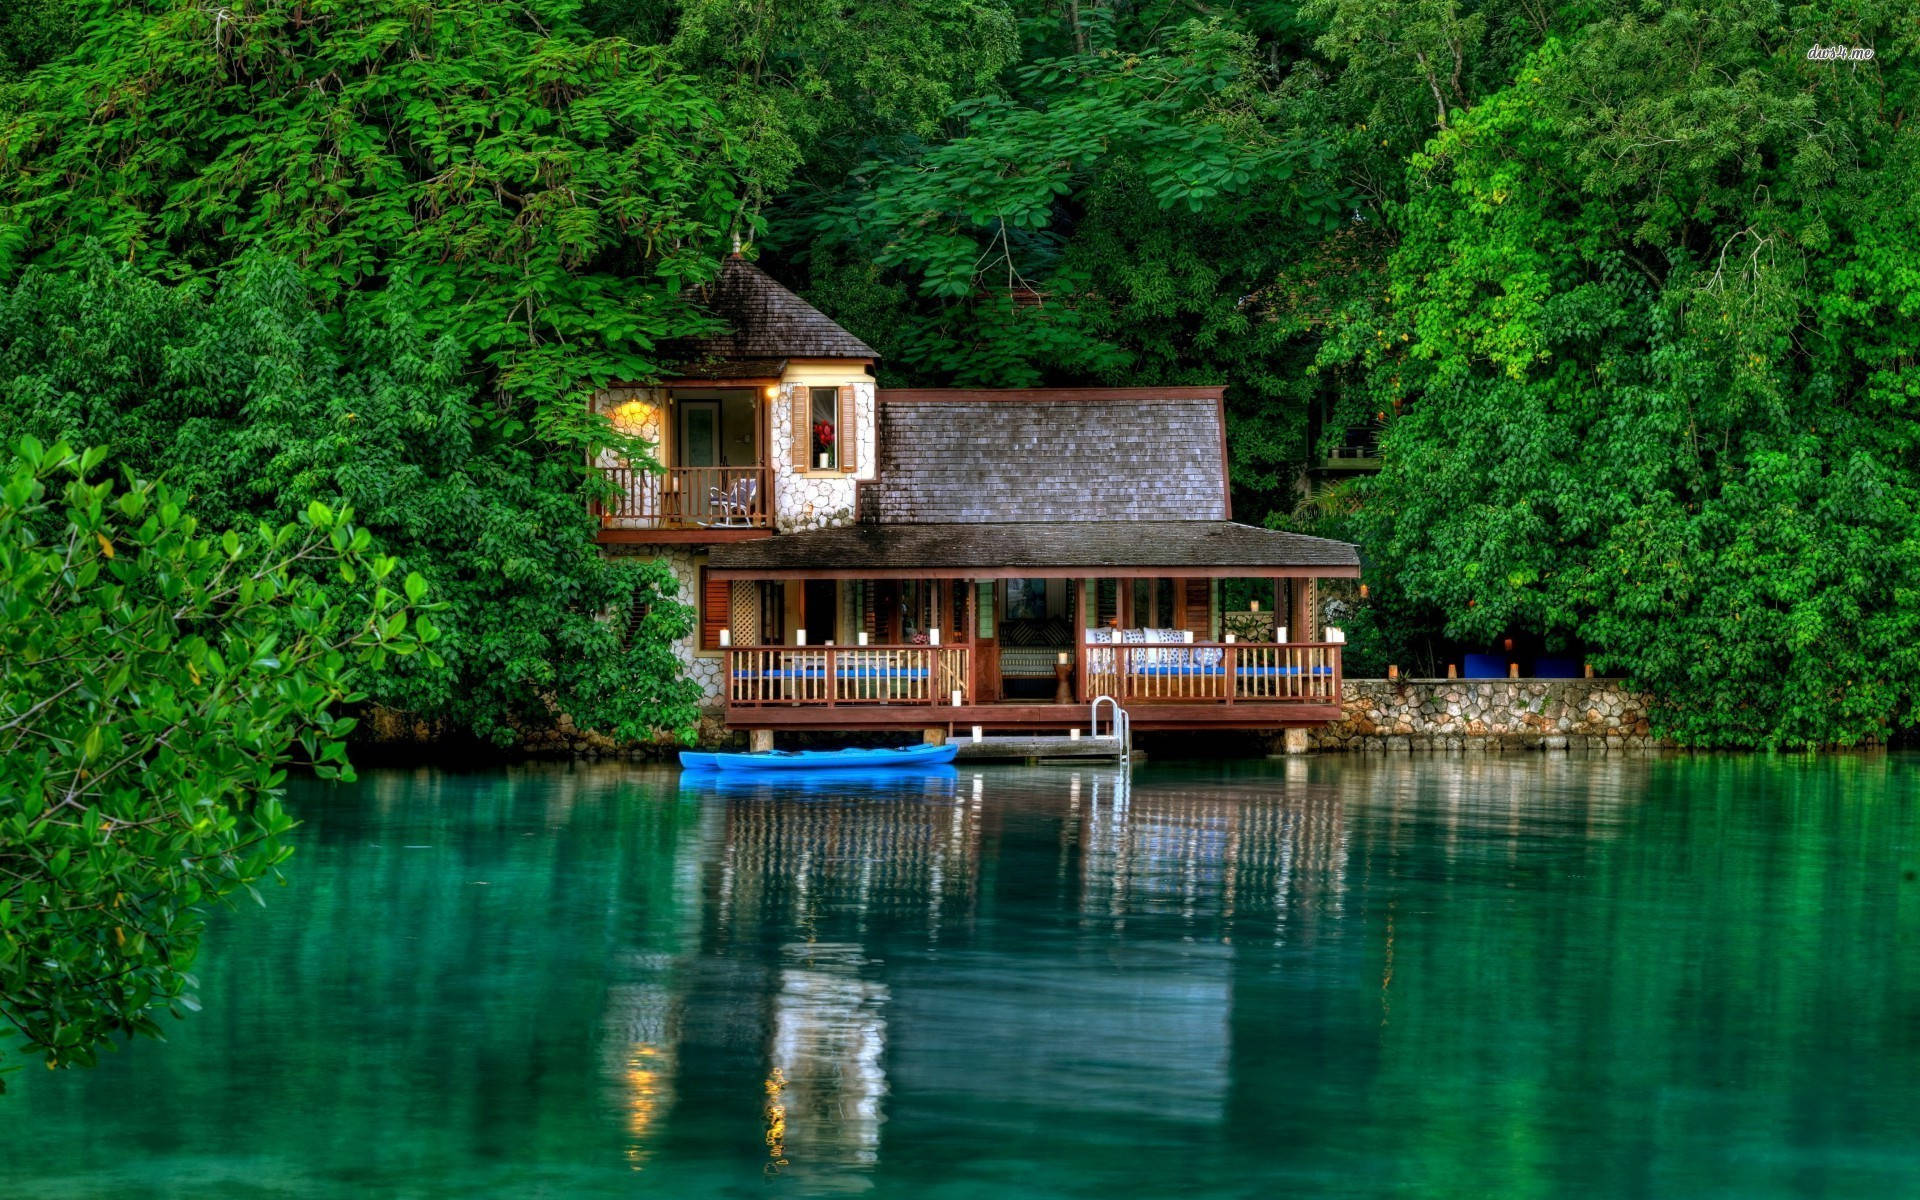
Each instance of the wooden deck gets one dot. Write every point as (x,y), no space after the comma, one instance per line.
(1163,686)
(1031,718)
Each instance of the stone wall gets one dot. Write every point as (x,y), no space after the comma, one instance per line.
(1487,714)
(805,500)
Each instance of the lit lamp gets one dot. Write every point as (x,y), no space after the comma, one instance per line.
(956,697)
(1062,658)
(726,638)
(862,635)
(1231,639)
(799,637)
(933,637)
(1280,633)
(976,735)
(1253,606)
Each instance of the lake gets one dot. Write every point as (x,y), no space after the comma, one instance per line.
(1543,976)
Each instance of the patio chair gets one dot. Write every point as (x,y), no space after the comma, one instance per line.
(734,503)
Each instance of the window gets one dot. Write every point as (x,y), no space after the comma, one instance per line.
(716,609)
(825,425)
(825,436)
(1152,604)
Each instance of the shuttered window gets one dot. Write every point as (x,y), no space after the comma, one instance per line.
(848,439)
(716,609)
(1199,606)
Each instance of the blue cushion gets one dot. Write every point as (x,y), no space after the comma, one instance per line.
(1486,666)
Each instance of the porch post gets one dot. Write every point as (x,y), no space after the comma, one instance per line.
(1300,613)
(966,639)
(1084,592)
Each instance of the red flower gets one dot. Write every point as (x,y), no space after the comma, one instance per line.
(823,433)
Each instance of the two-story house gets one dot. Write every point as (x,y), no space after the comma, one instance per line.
(867,558)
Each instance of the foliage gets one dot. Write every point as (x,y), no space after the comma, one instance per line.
(245,397)
(541,192)
(154,683)
(1648,335)
(1118,215)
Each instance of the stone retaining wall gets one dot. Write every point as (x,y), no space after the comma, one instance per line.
(1487,714)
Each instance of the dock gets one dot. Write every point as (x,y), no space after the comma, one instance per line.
(1035,748)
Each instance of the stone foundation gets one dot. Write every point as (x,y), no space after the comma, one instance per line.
(1488,715)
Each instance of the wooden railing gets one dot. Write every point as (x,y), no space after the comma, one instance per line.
(689,498)
(835,675)
(1221,672)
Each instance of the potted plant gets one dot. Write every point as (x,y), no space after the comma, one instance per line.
(823,444)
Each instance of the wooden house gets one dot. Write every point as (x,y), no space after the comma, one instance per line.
(866,558)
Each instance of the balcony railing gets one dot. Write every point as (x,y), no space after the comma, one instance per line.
(688,498)
(1222,672)
(836,675)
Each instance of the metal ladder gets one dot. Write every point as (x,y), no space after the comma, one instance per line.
(1120,725)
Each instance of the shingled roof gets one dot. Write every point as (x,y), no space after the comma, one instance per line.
(1175,547)
(953,456)
(764,321)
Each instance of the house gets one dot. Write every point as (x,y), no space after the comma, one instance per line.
(867,558)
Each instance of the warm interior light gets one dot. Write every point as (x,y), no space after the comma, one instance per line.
(773,391)
(634,414)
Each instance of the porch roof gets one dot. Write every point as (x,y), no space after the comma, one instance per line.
(1099,548)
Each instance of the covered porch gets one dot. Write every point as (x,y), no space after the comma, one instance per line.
(1017,631)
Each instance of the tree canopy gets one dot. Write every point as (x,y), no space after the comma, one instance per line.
(1626,286)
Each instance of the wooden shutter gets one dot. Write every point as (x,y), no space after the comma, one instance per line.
(1199,614)
(716,609)
(802,427)
(846,436)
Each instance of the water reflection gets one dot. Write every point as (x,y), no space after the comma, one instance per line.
(1408,976)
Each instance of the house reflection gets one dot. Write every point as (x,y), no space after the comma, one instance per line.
(979,948)
(826,1082)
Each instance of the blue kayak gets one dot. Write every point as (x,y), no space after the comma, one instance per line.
(822,760)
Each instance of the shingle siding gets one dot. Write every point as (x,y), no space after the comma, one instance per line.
(995,460)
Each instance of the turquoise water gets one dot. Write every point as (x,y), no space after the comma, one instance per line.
(1545,977)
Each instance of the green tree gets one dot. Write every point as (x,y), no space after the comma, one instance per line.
(1646,335)
(155,683)
(255,403)
(543,193)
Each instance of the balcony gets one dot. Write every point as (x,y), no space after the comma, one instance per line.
(686,504)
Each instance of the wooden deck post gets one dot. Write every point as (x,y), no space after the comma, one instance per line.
(760,741)
(1295,740)
(935,735)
